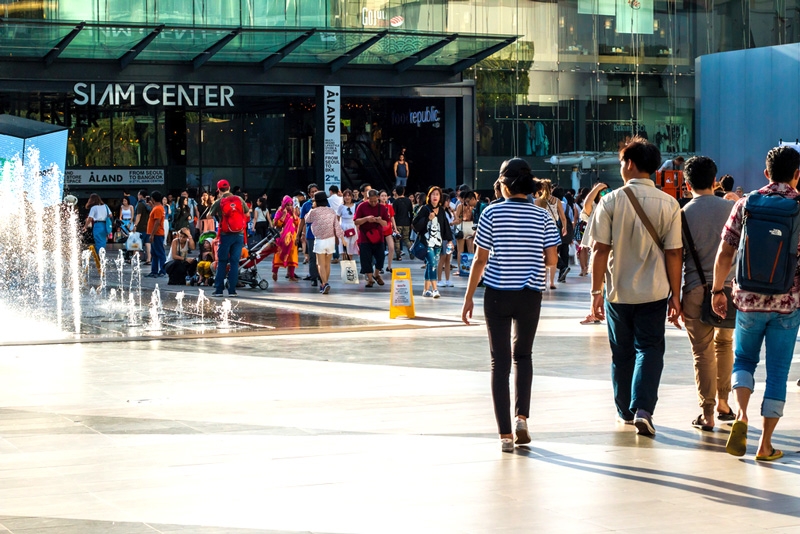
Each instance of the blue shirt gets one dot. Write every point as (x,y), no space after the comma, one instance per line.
(516,233)
(303,212)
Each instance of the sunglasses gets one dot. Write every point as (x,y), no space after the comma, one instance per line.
(349,211)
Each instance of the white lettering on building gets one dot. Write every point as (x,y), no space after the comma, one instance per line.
(154,94)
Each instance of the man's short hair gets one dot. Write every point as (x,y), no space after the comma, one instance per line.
(700,172)
(782,162)
(400,190)
(310,187)
(156,196)
(363,187)
(142,193)
(727,183)
(645,155)
(679,160)
(333,189)
(463,187)
(373,193)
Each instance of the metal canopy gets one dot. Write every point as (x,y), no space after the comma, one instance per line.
(331,49)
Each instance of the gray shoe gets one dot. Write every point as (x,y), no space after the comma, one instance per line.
(507,445)
(523,436)
(643,422)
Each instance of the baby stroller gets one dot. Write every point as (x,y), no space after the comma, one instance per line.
(248,271)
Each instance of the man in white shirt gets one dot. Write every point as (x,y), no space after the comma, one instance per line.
(334,201)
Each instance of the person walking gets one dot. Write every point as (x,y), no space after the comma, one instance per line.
(771,320)
(432,226)
(553,206)
(232,213)
(403,210)
(346,213)
(262,218)
(287,220)
(140,222)
(99,221)
(156,230)
(305,236)
(371,218)
(326,231)
(638,254)
(712,348)
(514,244)
(390,230)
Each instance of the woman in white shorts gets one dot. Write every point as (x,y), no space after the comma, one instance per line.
(346,214)
(326,230)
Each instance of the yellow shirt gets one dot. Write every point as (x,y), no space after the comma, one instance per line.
(637,271)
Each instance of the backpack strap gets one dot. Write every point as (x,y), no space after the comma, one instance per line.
(643,216)
(688,234)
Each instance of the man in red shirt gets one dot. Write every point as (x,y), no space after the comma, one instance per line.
(155,229)
(370,218)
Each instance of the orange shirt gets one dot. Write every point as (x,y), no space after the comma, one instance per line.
(156,213)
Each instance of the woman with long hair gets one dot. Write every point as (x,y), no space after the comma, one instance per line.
(99,220)
(261,217)
(126,212)
(554,208)
(346,213)
(432,226)
(326,231)
(515,243)
(182,214)
(287,220)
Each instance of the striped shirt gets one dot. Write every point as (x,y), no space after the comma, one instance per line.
(516,233)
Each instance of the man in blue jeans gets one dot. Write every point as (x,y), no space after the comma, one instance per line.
(771,320)
(231,242)
(643,277)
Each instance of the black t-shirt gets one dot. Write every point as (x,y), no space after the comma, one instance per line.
(402,211)
(143,209)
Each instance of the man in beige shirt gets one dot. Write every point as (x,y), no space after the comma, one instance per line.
(643,281)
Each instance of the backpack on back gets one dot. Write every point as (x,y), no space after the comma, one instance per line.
(767,255)
(234,220)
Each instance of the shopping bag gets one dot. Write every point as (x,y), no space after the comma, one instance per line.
(465,264)
(349,271)
(134,241)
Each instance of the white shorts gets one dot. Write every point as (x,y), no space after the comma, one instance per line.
(325,246)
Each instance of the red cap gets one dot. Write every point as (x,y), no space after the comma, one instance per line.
(223,184)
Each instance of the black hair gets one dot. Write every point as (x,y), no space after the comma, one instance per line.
(558,192)
(515,174)
(321,199)
(363,186)
(644,154)
(142,193)
(727,183)
(400,190)
(700,172)
(156,196)
(333,189)
(312,186)
(782,162)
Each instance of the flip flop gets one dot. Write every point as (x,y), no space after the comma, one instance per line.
(774,456)
(737,441)
(730,416)
(698,423)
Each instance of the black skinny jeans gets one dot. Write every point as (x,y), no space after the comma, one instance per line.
(502,309)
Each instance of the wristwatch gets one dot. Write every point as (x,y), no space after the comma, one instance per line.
(717,291)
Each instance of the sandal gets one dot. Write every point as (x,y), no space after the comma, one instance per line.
(591,319)
(369,284)
(700,423)
(737,441)
(769,457)
(730,416)
(553,287)
(379,280)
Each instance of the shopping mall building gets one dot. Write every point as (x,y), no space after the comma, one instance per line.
(275,94)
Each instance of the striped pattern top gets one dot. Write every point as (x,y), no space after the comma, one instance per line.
(516,233)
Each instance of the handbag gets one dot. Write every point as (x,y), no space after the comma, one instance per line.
(349,270)
(350,232)
(419,249)
(459,233)
(707,315)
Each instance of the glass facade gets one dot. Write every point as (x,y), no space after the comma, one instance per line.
(583,76)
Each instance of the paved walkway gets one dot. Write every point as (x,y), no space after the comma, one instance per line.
(375,431)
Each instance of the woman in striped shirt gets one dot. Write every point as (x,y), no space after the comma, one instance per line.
(516,241)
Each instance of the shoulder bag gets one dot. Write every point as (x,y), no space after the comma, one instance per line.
(707,315)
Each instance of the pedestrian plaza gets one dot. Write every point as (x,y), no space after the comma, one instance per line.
(380,426)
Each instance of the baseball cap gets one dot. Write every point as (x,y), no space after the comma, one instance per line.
(223,184)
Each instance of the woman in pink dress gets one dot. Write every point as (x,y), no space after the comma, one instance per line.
(287,220)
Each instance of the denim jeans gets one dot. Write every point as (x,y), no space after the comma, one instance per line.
(313,272)
(431,262)
(158,255)
(778,331)
(230,251)
(636,335)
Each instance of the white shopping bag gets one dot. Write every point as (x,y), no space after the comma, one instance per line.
(134,241)
(349,271)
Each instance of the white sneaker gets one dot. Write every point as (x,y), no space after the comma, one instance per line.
(449,283)
(427,293)
(436,294)
(523,436)
(506,445)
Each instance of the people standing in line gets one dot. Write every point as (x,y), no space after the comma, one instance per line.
(140,222)
(327,231)
(432,226)
(155,228)
(515,242)
(233,214)
(547,201)
(99,221)
(401,171)
(306,236)
(371,218)
(389,230)
(126,214)
(642,273)
(287,220)
(403,210)
(346,215)
(705,217)
(761,319)
(262,217)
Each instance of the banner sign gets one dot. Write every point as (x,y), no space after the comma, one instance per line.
(106,177)
(167,95)
(332,155)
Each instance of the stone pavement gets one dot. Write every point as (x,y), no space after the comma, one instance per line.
(389,430)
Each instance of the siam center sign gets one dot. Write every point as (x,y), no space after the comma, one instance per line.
(154,94)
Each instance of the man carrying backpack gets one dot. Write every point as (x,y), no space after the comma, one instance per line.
(763,229)
(232,213)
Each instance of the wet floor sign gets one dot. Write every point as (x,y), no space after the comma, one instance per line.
(402,303)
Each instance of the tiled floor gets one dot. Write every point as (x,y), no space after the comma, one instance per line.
(376,431)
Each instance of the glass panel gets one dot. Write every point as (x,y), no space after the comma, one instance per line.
(179,44)
(396,47)
(255,46)
(324,47)
(89,144)
(221,139)
(264,139)
(103,43)
(458,50)
(31,40)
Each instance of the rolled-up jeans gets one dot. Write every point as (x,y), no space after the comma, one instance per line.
(431,262)
(778,331)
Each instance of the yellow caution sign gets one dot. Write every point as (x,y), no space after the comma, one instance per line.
(402,303)
(96,257)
